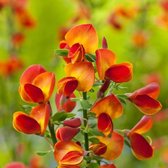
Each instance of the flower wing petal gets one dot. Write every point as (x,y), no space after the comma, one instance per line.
(140,147)
(25,123)
(146,104)
(120,72)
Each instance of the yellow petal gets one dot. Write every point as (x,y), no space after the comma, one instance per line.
(83,72)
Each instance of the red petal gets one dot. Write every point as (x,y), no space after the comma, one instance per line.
(146,104)
(67,85)
(98,149)
(64,103)
(30,73)
(75,122)
(76,53)
(25,123)
(105,124)
(34,93)
(141,148)
(120,72)
(66,133)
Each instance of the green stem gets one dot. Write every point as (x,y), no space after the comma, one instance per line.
(85,117)
(52,132)
(51,127)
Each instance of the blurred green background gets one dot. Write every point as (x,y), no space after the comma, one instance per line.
(39,47)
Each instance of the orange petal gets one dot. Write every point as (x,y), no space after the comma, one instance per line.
(30,73)
(114,145)
(105,124)
(83,72)
(120,72)
(46,82)
(65,103)
(72,157)
(34,93)
(140,147)
(68,153)
(66,133)
(76,53)
(25,123)
(75,122)
(152,90)
(104,59)
(109,105)
(144,125)
(15,165)
(67,85)
(98,149)
(146,104)
(108,166)
(84,34)
(41,113)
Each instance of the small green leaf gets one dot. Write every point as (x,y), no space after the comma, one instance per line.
(93,165)
(26,107)
(85,104)
(95,132)
(122,96)
(61,52)
(98,83)
(70,115)
(94,140)
(90,57)
(75,99)
(59,116)
(43,153)
(47,134)
(122,101)
(91,90)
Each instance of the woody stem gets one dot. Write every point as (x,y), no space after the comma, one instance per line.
(85,117)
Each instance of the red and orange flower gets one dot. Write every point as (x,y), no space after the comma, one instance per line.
(68,153)
(145,99)
(34,123)
(107,69)
(36,84)
(107,109)
(141,148)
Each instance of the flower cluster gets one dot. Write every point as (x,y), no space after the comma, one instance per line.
(82,130)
